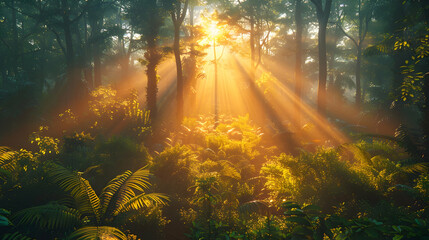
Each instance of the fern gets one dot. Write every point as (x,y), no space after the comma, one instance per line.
(255,206)
(142,201)
(79,188)
(51,217)
(6,159)
(91,233)
(15,236)
(112,190)
(137,181)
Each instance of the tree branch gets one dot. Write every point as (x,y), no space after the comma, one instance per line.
(347,35)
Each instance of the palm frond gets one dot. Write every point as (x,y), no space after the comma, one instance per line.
(422,167)
(15,236)
(102,232)
(142,201)
(138,181)
(51,217)
(111,190)
(6,159)
(358,154)
(256,206)
(79,188)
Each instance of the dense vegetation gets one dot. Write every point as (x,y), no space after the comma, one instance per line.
(90,153)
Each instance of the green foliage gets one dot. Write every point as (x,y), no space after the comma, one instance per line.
(122,194)
(52,219)
(101,232)
(47,145)
(109,110)
(319,178)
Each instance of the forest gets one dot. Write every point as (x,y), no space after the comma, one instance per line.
(214,119)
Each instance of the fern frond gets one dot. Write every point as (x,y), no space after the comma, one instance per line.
(15,236)
(138,181)
(142,201)
(422,167)
(46,218)
(102,232)
(111,190)
(358,154)
(6,159)
(79,188)
(256,206)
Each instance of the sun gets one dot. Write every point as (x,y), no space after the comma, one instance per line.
(213,31)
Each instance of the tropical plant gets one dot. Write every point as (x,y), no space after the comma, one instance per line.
(120,199)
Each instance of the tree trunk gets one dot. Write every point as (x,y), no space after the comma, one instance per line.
(298,57)
(73,77)
(323,13)
(152,79)
(321,97)
(95,32)
(252,47)
(176,49)
(425,121)
(15,43)
(358,81)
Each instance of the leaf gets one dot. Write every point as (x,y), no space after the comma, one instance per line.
(256,206)
(15,236)
(300,230)
(7,159)
(142,201)
(49,217)
(4,221)
(289,205)
(311,208)
(397,237)
(299,220)
(420,222)
(102,232)
(79,188)
(111,190)
(294,212)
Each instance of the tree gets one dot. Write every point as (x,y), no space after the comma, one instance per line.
(298,54)
(364,14)
(178,14)
(147,17)
(323,11)
(257,19)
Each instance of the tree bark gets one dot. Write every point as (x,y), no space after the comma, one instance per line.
(176,48)
(15,43)
(358,81)
(252,47)
(178,15)
(298,57)
(73,77)
(153,58)
(96,21)
(323,13)
(321,97)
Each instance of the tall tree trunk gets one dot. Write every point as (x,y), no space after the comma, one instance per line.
(358,81)
(152,57)
(252,47)
(15,43)
(425,121)
(178,15)
(298,57)
(191,73)
(176,48)
(321,97)
(323,13)
(73,77)
(95,32)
